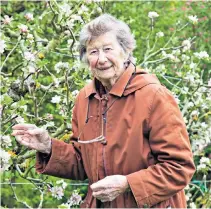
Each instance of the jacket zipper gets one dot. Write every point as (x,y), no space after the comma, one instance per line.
(104,133)
(104,116)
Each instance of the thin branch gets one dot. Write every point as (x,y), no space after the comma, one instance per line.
(8,128)
(41,199)
(9,120)
(29,154)
(18,200)
(49,87)
(11,52)
(198,187)
(60,130)
(170,82)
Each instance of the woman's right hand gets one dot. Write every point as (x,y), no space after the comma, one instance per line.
(32,137)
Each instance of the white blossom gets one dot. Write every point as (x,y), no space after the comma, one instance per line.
(82,9)
(56,82)
(188,196)
(195,113)
(187,187)
(176,52)
(185,90)
(185,57)
(7,20)
(76,17)
(2,46)
(185,120)
(62,182)
(49,116)
(153,15)
(29,56)
(30,36)
(159,34)
(161,68)
(23,28)
(70,23)
(205,160)
(75,199)
(176,98)
(65,9)
(99,9)
(6,141)
(203,125)
(60,66)
(192,65)
(201,167)
(4,158)
(57,192)
(190,77)
(56,99)
(193,205)
(29,16)
(69,42)
(201,55)
(170,56)
(31,68)
(193,19)
(75,93)
(209,82)
(186,45)
(190,104)
(67,32)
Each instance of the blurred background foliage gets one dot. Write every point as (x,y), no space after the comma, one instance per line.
(41,74)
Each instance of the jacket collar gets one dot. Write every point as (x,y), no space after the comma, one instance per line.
(118,87)
(123,86)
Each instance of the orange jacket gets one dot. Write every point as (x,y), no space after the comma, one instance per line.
(146,140)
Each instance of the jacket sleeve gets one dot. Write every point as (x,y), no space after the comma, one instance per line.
(169,142)
(65,160)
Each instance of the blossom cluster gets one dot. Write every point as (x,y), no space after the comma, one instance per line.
(205,163)
(74,200)
(4,158)
(61,66)
(5,141)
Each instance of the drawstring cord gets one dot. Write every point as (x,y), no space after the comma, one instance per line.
(101,138)
(103,114)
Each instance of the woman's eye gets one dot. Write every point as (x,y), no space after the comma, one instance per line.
(93,52)
(107,49)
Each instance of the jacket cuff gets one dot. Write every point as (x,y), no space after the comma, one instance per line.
(43,161)
(135,182)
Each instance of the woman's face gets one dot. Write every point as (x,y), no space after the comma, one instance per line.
(106,57)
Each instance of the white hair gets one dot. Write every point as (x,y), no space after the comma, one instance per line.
(101,25)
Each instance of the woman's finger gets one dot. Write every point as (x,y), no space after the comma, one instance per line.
(37,131)
(26,141)
(18,132)
(24,126)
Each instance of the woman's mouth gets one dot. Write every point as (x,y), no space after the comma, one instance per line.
(105,68)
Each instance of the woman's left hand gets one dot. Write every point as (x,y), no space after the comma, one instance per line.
(110,187)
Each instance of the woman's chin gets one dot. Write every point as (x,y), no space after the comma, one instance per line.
(106,76)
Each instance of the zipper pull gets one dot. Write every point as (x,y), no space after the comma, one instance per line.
(104,119)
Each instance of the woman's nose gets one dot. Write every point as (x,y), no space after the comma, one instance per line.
(102,58)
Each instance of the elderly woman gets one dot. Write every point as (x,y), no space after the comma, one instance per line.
(129,138)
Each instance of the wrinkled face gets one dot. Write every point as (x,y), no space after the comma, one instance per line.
(106,57)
